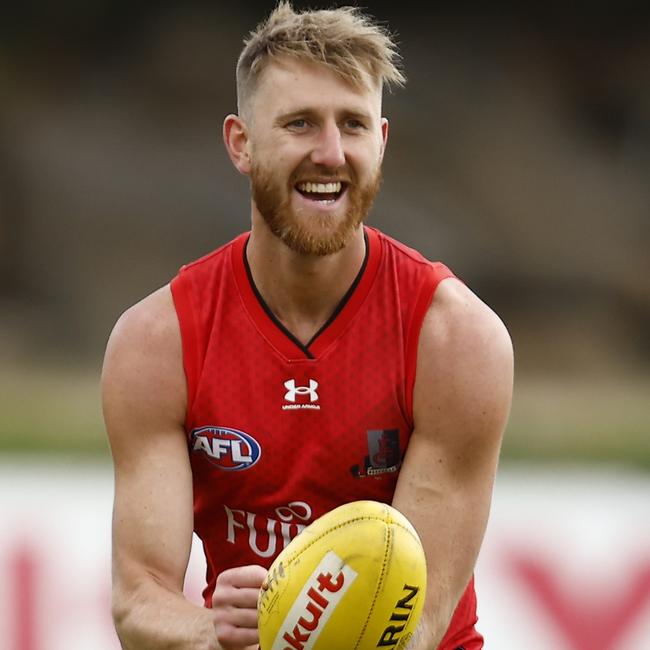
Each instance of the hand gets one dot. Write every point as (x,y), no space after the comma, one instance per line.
(234,603)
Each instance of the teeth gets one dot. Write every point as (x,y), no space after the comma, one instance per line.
(320,188)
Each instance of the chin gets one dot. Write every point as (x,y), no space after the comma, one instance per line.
(319,241)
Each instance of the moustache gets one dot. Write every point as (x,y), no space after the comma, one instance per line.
(317,172)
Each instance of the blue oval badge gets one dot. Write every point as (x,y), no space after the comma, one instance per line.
(227,449)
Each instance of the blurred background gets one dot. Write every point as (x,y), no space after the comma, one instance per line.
(519,155)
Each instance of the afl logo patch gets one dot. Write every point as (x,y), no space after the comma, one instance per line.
(227,449)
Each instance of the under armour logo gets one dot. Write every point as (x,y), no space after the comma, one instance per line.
(293,390)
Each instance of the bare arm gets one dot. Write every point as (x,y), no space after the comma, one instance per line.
(144,399)
(461,404)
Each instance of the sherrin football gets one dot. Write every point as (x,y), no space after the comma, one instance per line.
(354,579)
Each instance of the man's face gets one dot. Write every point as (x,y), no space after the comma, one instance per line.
(316,145)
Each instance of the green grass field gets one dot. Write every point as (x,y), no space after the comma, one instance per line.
(59,412)
(600,421)
(48,411)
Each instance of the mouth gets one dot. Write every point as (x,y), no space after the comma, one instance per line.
(325,194)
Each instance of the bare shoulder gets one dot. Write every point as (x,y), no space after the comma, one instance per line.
(152,321)
(464,376)
(459,326)
(143,382)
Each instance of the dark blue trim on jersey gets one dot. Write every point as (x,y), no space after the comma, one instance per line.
(328,322)
(348,293)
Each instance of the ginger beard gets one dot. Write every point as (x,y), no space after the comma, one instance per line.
(311,234)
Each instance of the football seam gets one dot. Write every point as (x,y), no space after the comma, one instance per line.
(388,542)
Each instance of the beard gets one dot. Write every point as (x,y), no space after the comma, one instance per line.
(312,234)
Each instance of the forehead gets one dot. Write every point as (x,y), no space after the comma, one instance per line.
(286,84)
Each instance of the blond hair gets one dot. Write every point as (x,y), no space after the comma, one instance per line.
(345,40)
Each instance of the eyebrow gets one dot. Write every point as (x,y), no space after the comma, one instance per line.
(311,113)
(283,118)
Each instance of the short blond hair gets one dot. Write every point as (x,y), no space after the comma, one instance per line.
(345,40)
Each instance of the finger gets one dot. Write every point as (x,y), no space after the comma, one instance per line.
(236,637)
(252,575)
(236,617)
(236,597)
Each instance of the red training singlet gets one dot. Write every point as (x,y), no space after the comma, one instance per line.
(279,432)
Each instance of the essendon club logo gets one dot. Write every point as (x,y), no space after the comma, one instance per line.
(384,455)
(227,449)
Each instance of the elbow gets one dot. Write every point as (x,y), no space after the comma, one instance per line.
(123,611)
(120,614)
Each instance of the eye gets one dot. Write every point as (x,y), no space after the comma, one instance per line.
(299,124)
(354,124)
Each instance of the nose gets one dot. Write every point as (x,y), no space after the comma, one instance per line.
(328,150)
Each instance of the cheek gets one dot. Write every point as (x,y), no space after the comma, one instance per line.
(279,160)
(367,162)
(368,151)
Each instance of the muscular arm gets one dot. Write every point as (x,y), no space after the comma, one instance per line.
(144,399)
(461,403)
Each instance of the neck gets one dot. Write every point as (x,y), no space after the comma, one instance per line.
(301,290)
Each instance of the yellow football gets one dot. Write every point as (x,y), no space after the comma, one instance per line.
(354,579)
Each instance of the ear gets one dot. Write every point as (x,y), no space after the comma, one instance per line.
(384,137)
(235,137)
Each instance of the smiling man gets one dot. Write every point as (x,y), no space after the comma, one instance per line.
(316,146)
(310,362)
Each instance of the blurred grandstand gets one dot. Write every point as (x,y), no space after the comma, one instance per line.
(519,155)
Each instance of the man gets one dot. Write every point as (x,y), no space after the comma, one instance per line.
(310,362)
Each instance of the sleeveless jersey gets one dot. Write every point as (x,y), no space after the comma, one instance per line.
(280,432)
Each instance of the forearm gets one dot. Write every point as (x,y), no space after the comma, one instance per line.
(451,528)
(439,607)
(453,547)
(427,636)
(152,617)
(431,630)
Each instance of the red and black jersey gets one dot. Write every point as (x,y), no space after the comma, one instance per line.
(280,432)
